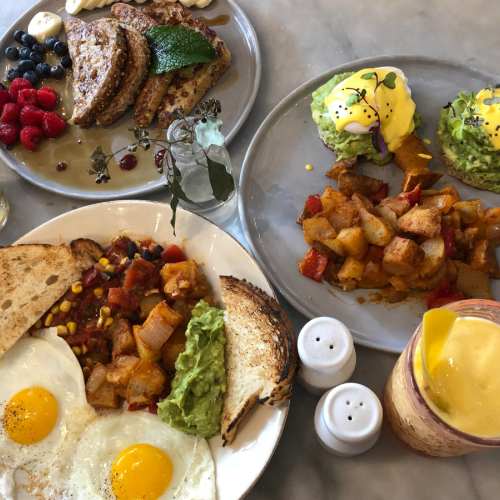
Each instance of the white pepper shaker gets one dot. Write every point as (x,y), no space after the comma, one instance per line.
(327,355)
(348,420)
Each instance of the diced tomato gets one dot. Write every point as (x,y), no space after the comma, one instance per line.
(313,265)
(115,283)
(381,194)
(91,277)
(117,252)
(122,243)
(136,407)
(139,274)
(314,204)
(82,337)
(69,295)
(173,254)
(153,409)
(442,295)
(448,235)
(411,197)
(124,298)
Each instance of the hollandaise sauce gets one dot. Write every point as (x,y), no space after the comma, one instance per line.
(490,113)
(393,108)
(465,377)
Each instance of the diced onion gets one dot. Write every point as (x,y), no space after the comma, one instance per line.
(493,231)
(96,379)
(155,332)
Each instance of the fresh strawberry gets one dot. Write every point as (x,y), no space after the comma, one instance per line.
(10,112)
(53,124)
(4,98)
(31,136)
(47,98)
(31,115)
(9,133)
(17,85)
(27,97)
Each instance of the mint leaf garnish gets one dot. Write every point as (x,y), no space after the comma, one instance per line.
(174,47)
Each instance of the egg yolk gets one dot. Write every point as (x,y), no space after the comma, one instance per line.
(491,116)
(394,106)
(141,472)
(30,415)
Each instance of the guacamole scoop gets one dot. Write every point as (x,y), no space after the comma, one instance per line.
(195,404)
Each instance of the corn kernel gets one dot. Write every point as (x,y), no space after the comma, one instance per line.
(48,319)
(427,141)
(110,268)
(104,262)
(54,309)
(86,371)
(77,350)
(427,157)
(84,349)
(71,326)
(108,322)
(74,304)
(137,256)
(98,292)
(105,312)
(65,306)
(89,363)
(62,331)
(77,287)
(100,322)
(38,324)
(309,167)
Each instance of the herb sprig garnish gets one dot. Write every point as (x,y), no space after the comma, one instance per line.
(221,181)
(359,96)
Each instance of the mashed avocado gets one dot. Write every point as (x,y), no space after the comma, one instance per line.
(346,145)
(195,403)
(469,149)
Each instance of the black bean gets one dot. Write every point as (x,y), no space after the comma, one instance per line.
(131,249)
(128,263)
(147,255)
(105,276)
(157,252)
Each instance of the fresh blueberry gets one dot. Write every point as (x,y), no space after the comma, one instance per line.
(50,42)
(24,53)
(32,77)
(38,47)
(11,53)
(57,72)
(28,40)
(26,66)
(13,73)
(18,35)
(36,57)
(43,70)
(61,49)
(66,62)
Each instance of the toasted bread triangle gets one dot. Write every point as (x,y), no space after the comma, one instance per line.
(33,277)
(261,352)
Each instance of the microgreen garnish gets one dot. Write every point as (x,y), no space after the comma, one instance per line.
(492,100)
(207,120)
(360,96)
(470,114)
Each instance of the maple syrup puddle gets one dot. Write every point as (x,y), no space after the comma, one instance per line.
(216,21)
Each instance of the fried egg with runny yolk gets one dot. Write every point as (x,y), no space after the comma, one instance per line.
(395,107)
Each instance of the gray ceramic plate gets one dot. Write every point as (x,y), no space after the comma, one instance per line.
(275,185)
(236,90)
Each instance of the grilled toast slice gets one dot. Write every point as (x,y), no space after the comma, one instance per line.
(99,53)
(136,73)
(33,277)
(261,352)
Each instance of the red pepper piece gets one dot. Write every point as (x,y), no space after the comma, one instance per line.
(381,194)
(314,204)
(91,277)
(173,254)
(313,265)
(411,197)
(448,235)
(442,295)
(124,298)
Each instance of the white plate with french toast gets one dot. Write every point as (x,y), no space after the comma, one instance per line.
(239,464)
(60,164)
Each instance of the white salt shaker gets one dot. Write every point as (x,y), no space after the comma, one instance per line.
(348,420)
(327,355)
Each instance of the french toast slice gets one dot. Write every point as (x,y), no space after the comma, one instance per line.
(261,352)
(33,277)
(99,53)
(136,73)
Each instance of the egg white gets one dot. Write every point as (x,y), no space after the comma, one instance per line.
(355,127)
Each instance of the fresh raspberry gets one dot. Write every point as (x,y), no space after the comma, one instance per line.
(4,98)
(17,85)
(9,133)
(27,97)
(31,136)
(47,98)
(53,124)
(31,115)
(10,113)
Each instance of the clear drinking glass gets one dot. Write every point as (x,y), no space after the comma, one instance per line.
(4,210)
(190,159)
(411,419)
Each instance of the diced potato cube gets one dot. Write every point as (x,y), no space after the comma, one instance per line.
(452,219)
(352,269)
(387,214)
(171,350)
(492,216)
(318,228)
(105,395)
(340,217)
(406,156)
(121,337)
(331,198)
(142,348)
(483,258)
(434,256)
(361,201)
(146,382)
(479,207)
(399,207)
(353,242)
(402,256)
(443,202)
(119,371)
(182,280)
(467,210)
(350,183)
(306,214)
(465,239)
(425,178)
(422,221)
(374,276)
(325,250)
(399,283)
(473,283)
(377,230)
(452,191)
(347,165)
(335,246)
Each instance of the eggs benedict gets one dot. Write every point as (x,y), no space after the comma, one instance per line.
(368,113)
(469,138)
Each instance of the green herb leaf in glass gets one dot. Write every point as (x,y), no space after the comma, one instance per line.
(221,180)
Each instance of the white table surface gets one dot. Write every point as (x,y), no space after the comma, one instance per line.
(299,40)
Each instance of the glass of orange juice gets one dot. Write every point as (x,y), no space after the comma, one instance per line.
(462,412)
